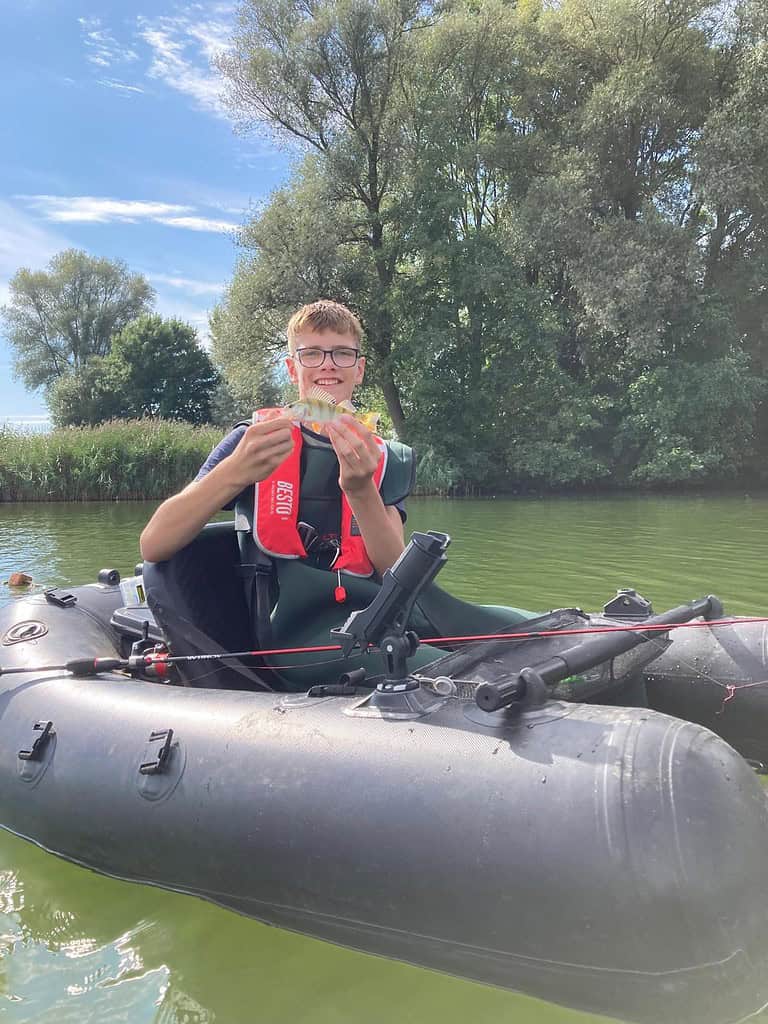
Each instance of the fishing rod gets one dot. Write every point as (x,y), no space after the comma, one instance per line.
(160,661)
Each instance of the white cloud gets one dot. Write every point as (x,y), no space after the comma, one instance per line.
(104,210)
(96,209)
(212,36)
(112,83)
(189,285)
(204,195)
(102,49)
(198,223)
(183,47)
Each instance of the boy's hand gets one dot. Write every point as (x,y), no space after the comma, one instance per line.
(357,452)
(261,449)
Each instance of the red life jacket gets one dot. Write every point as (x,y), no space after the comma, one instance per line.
(276,511)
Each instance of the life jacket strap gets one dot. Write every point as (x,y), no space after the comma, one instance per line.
(256,570)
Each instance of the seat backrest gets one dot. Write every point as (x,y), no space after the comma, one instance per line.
(198,599)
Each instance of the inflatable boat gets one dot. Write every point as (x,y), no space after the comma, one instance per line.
(505,810)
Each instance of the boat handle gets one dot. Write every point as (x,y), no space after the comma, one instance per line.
(39,743)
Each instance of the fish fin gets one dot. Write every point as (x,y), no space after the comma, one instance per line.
(347,405)
(318,394)
(271,413)
(370,420)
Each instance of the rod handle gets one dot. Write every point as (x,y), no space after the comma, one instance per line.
(92,666)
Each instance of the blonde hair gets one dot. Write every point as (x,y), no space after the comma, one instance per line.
(323,315)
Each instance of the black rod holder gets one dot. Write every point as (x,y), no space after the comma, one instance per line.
(383,622)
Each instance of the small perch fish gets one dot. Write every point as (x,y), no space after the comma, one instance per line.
(321,407)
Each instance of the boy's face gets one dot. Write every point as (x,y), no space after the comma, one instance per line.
(339,381)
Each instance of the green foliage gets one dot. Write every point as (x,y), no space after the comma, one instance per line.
(58,319)
(245,342)
(495,410)
(84,397)
(300,247)
(120,460)
(436,474)
(690,421)
(334,76)
(551,217)
(155,368)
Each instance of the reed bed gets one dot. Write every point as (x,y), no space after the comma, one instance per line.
(120,460)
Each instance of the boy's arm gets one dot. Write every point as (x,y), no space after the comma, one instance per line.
(380,525)
(178,520)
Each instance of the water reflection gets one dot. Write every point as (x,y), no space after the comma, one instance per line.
(528,553)
(541,554)
(66,543)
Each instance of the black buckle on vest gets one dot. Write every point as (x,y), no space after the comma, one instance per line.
(308,535)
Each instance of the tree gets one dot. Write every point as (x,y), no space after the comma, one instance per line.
(57,319)
(85,397)
(609,215)
(298,248)
(733,195)
(329,74)
(535,208)
(243,347)
(155,368)
(690,421)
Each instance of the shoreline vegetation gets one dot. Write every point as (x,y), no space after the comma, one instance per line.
(126,460)
(147,459)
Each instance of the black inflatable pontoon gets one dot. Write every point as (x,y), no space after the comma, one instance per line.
(504,816)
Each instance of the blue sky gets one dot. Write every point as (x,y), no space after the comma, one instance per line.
(114,140)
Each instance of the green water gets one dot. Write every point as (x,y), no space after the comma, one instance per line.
(76,947)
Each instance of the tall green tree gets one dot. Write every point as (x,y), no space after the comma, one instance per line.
(300,246)
(329,74)
(155,367)
(732,193)
(245,337)
(59,318)
(610,212)
(551,219)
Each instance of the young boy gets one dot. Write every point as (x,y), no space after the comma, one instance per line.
(350,484)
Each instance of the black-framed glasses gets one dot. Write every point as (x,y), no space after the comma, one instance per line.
(342,357)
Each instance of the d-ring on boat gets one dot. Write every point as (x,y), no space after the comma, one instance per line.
(504,810)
